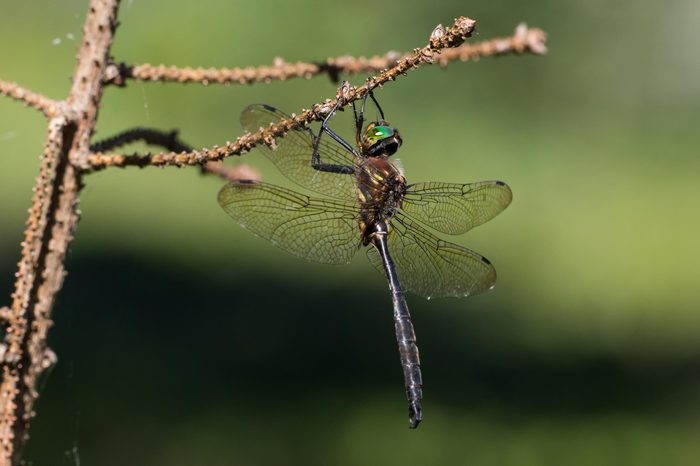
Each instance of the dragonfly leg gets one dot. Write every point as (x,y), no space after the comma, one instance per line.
(316,157)
(360,118)
(381,112)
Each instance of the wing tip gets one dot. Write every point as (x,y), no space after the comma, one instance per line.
(506,189)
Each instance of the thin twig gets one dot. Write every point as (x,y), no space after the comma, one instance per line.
(52,219)
(239,172)
(40,102)
(156,137)
(169,140)
(524,39)
(439,39)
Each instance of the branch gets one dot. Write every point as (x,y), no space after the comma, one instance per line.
(241,172)
(17,394)
(170,141)
(523,40)
(52,218)
(167,140)
(40,102)
(439,39)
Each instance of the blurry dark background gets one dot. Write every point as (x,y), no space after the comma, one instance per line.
(182,339)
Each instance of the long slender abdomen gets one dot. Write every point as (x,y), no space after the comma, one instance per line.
(405,335)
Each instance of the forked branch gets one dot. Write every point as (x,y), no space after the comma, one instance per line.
(439,40)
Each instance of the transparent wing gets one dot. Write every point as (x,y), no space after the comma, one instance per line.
(318,230)
(431,267)
(292,155)
(456,208)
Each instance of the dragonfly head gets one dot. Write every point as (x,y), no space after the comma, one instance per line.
(380,139)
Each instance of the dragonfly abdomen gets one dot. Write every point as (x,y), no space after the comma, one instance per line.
(405,335)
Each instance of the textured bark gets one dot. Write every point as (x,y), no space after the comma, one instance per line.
(53,216)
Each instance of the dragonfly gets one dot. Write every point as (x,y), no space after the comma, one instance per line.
(366,202)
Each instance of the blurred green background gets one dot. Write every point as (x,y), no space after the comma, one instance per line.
(182,339)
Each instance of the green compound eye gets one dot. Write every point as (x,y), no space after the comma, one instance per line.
(375,134)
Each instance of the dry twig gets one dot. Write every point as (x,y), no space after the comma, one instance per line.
(170,141)
(439,40)
(239,172)
(155,137)
(524,39)
(31,99)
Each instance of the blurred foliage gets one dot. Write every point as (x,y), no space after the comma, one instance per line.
(182,339)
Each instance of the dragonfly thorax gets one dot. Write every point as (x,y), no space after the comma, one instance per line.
(381,187)
(380,139)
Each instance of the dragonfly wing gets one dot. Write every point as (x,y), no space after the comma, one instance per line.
(318,230)
(292,154)
(431,267)
(456,208)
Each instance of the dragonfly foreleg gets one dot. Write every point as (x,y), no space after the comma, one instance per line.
(360,118)
(316,156)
